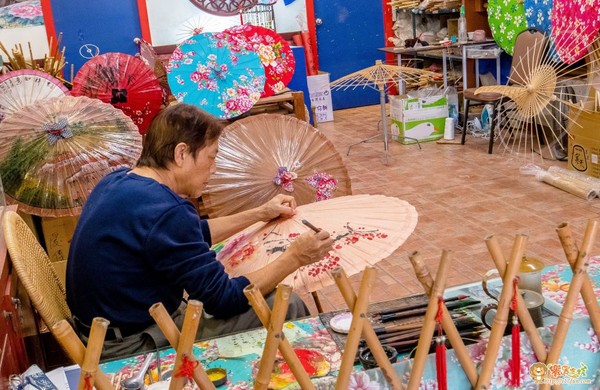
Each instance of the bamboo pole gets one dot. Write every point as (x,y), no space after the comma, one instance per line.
(172,334)
(263,312)
(274,336)
(524,316)
(369,334)
(189,329)
(566,314)
(74,347)
(424,276)
(359,314)
(587,289)
(89,367)
(426,336)
(500,320)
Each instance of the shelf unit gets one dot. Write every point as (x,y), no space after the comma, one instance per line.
(442,12)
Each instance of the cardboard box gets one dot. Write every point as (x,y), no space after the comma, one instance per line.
(320,96)
(584,144)
(418,118)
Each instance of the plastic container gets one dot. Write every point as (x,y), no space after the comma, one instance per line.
(452,97)
(463,37)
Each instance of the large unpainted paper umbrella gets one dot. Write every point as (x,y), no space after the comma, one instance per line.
(206,72)
(575,25)
(381,77)
(202,23)
(264,155)
(124,81)
(366,229)
(541,99)
(53,152)
(275,55)
(20,88)
(506,19)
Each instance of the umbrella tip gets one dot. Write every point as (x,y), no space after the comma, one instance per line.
(377,62)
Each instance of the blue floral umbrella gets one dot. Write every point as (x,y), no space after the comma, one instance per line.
(539,15)
(212,73)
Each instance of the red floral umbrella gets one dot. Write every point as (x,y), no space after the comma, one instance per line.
(275,54)
(125,82)
(575,25)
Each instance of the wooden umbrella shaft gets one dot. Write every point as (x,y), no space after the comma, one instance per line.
(369,334)
(89,367)
(189,329)
(524,316)
(500,321)
(429,326)
(587,289)
(424,276)
(172,334)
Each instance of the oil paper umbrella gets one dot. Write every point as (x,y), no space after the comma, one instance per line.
(575,25)
(536,100)
(506,19)
(264,155)
(53,152)
(366,229)
(21,88)
(206,72)
(274,52)
(147,54)
(125,82)
(539,15)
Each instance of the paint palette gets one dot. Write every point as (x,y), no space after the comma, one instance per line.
(341,322)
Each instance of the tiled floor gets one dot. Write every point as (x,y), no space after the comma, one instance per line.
(462,195)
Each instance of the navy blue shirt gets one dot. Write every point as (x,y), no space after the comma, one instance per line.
(138,243)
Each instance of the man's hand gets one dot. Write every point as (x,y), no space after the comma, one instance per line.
(311,247)
(280,205)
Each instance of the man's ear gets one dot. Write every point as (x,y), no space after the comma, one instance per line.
(179,153)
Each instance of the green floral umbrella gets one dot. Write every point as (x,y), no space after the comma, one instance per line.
(507,19)
(53,152)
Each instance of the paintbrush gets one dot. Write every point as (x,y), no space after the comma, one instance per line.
(462,324)
(416,306)
(421,311)
(310,225)
(408,345)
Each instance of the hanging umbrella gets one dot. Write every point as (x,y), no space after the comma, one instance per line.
(21,88)
(206,72)
(125,82)
(506,19)
(224,7)
(575,25)
(274,52)
(147,54)
(53,152)
(264,155)
(380,77)
(365,228)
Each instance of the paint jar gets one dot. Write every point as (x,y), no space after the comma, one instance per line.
(368,360)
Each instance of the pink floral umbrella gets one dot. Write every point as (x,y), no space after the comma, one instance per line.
(274,52)
(205,71)
(575,25)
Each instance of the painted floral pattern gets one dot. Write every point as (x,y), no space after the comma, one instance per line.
(22,14)
(275,54)
(575,25)
(507,19)
(215,73)
(556,281)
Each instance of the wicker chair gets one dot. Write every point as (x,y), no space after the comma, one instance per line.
(35,270)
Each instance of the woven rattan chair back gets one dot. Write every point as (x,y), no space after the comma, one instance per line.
(35,270)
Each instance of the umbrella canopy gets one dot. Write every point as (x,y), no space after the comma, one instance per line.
(539,15)
(575,25)
(275,55)
(507,19)
(53,152)
(147,54)
(21,88)
(264,155)
(125,82)
(206,72)
(224,7)
(365,228)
